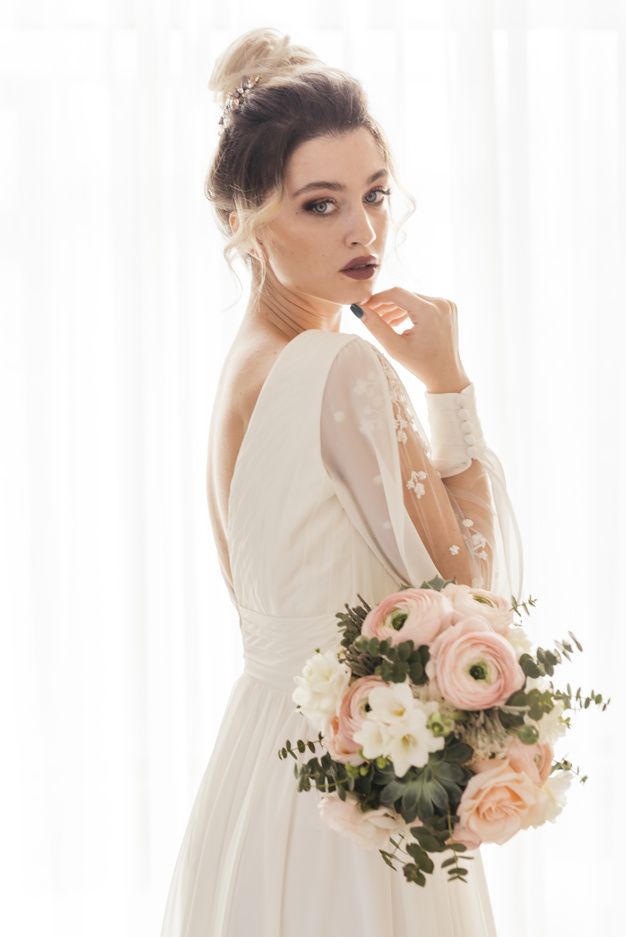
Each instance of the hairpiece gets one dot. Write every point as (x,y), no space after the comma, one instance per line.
(235,98)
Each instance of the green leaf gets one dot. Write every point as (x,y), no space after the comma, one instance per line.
(439,795)
(422,859)
(527,734)
(405,649)
(413,874)
(387,856)
(458,752)
(427,840)
(410,797)
(529,666)
(391,792)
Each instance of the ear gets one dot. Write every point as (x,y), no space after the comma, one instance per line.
(232,221)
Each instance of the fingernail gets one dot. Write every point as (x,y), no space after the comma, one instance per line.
(357,310)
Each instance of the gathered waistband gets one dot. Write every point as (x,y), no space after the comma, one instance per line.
(276,648)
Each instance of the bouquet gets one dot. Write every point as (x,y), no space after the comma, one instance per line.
(436,724)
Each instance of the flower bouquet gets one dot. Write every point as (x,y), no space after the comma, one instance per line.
(436,724)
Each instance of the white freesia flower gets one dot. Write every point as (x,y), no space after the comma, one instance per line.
(396,727)
(393,703)
(373,737)
(412,742)
(320,687)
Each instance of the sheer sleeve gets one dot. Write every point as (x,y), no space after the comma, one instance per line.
(416,512)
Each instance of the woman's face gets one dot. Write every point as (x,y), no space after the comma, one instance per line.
(318,231)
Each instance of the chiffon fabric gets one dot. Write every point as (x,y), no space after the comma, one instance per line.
(333,493)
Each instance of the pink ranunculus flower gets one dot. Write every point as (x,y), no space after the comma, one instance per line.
(349,719)
(369,829)
(468,600)
(474,666)
(418,615)
(496,804)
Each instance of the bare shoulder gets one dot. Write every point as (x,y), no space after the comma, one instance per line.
(250,360)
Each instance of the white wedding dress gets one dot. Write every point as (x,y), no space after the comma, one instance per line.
(331,481)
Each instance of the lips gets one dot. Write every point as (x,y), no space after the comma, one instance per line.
(360,262)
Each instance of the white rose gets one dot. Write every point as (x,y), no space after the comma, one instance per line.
(320,687)
(552,799)
(370,829)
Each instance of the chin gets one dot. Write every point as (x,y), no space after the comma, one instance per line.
(364,297)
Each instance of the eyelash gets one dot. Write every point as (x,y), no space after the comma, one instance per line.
(312,205)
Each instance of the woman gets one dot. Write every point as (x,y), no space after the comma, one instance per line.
(321,485)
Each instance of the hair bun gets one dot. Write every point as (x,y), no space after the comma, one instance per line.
(265,52)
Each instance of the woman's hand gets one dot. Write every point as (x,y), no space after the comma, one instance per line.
(430,349)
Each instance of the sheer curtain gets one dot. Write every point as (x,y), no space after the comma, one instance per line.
(119,643)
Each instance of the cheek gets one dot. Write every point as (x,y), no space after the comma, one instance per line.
(298,249)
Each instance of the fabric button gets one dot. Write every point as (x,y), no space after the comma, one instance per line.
(466,426)
(469,438)
(472,452)
(463,413)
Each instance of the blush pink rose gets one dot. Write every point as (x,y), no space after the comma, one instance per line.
(418,615)
(349,719)
(535,760)
(468,600)
(369,829)
(496,804)
(473,666)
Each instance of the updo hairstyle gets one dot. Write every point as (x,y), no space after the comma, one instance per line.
(297,97)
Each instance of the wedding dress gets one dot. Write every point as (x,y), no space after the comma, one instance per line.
(331,485)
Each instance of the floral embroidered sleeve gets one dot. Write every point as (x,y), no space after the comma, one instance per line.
(417,513)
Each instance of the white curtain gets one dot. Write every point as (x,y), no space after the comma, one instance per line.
(119,643)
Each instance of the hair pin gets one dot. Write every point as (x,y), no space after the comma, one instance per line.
(235,98)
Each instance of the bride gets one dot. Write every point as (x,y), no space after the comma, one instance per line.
(322,484)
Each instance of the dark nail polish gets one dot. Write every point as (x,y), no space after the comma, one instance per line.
(357,310)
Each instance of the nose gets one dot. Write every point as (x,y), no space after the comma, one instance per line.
(360,228)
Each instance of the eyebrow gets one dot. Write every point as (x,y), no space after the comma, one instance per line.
(337,186)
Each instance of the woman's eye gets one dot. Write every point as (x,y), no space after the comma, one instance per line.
(312,206)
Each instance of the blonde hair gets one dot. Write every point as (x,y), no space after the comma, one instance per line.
(298,97)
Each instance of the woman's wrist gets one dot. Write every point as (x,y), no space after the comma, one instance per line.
(453,384)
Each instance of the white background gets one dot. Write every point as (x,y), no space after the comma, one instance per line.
(119,642)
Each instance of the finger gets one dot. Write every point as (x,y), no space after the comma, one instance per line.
(393,318)
(381,330)
(404,299)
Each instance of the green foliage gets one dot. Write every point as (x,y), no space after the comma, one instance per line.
(351,621)
(393,663)
(434,789)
